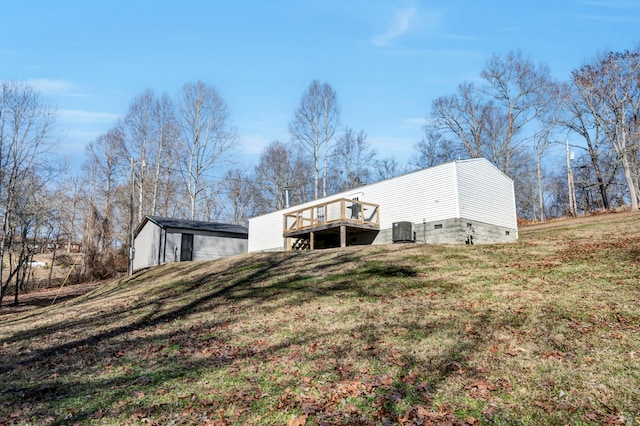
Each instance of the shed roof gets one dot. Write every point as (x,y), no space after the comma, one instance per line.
(193,225)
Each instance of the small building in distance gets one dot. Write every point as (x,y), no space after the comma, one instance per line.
(160,240)
(460,202)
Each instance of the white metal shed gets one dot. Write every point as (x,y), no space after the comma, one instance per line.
(159,240)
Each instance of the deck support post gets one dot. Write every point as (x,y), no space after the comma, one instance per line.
(311,240)
(343,236)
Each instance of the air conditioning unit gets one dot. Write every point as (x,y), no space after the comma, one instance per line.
(402,232)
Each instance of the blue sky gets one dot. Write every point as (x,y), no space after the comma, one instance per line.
(387,60)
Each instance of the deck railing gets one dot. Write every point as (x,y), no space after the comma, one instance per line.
(341,210)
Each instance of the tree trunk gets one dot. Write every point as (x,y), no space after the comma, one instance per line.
(628,175)
(540,195)
(53,261)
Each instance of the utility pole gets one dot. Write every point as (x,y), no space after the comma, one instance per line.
(131,250)
(572,195)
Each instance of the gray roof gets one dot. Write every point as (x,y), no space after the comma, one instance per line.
(194,225)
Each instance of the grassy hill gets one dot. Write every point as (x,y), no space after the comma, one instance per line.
(544,331)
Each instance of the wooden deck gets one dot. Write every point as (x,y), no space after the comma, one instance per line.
(329,221)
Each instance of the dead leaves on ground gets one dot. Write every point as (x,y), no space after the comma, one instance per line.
(362,399)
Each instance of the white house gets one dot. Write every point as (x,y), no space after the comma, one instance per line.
(464,201)
(159,240)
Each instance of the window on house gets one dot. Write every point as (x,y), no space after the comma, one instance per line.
(438,226)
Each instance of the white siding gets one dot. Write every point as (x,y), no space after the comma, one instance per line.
(212,246)
(206,245)
(147,244)
(472,189)
(485,193)
(425,194)
(174,244)
(265,232)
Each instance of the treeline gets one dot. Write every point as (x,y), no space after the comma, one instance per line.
(178,156)
(518,111)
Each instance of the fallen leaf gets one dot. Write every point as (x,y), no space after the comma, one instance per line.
(481,389)
(298,421)
(553,354)
(386,381)
(546,407)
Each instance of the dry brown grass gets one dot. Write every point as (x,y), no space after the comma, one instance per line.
(544,331)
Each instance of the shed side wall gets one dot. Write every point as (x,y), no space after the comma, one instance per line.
(206,245)
(147,244)
(212,246)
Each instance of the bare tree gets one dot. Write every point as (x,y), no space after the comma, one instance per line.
(139,133)
(548,118)
(610,88)
(26,132)
(577,118)
(518,87)
(433,149)
(163,151)
(66,199)
(207,136)
(465,116)
(314,125)
(239,196)
(172,201)
(541,142)
(280,167)
(352,160)
(387,168)
(489,121)
(525,185)
(151,134)
(211,206)
(105,167)
(478,125)
(22,237)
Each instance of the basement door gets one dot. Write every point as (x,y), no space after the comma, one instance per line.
(186,248)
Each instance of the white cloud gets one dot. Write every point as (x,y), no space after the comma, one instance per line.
(78,116)
(254,144)
(416,121)
(55,87)
(403,21)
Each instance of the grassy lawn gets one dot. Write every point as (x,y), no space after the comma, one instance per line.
(544,331)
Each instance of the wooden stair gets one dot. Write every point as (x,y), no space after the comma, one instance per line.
(301,244)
